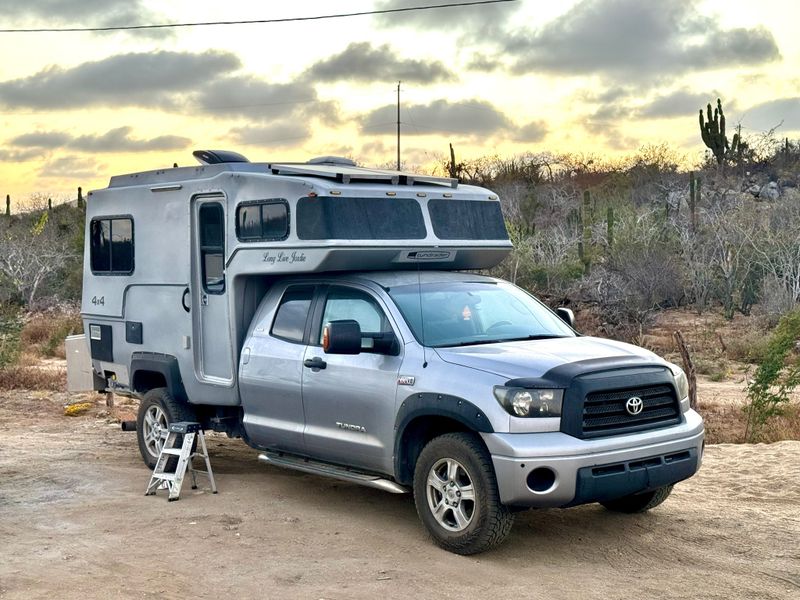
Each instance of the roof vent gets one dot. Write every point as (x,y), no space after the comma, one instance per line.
(215,157)
(331,160)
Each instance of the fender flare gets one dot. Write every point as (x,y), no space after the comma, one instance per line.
(434,405)
(163,364)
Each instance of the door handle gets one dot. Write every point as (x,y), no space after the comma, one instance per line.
(315,363)
(186,307)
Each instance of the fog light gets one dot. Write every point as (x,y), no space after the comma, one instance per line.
(541,479)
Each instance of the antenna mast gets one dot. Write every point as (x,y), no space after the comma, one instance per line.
(398,125)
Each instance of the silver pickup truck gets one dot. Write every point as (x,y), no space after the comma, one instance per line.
(469,391)
(321,311)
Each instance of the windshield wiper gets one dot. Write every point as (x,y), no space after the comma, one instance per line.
(539,336)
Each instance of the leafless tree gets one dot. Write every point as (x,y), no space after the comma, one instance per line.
(29,256)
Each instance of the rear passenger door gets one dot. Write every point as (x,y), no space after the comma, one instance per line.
(270,380)
(350,403)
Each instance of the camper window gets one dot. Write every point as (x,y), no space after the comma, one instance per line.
(212,247)
(339,218)
(262,220)
(111,248)
(467,219)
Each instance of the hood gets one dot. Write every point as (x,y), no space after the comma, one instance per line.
(535,357)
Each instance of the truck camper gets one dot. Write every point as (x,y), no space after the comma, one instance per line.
(330,316)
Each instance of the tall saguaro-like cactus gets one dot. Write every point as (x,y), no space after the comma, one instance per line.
(713,133)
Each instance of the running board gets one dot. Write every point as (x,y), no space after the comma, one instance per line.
(333,471)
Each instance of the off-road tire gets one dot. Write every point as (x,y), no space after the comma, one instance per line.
(174,410)
(639,503)
(491,521)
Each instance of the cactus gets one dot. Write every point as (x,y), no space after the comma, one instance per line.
(586,233)
(693,193)
(80,198)
(713,133)
(49,204)
(8,205)
(610,227)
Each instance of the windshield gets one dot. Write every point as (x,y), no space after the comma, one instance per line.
(463,313)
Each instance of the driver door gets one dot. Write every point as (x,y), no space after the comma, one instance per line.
(350,403)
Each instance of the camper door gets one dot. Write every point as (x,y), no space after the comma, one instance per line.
(212,332)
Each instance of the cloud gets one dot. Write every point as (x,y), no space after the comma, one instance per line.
(635,40)
(41,139)
(362,62)
(533,132)
(681,103)
(115,140)
(767,115)
(72,167)
(83,13)
(136,79)
(484,64)
(247,96)
(119,140)
(275,135)
(482,19)
(69,10)
(466,117)
(18,156)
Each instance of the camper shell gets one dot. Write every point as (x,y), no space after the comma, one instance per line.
(178,259)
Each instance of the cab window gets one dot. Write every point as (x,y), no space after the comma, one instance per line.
(292,314)
(346,303)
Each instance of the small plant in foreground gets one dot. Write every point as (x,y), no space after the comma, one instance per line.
(774,381)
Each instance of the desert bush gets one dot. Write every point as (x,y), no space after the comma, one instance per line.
(774,380)
(750,347)
(717,369)
(10,325)
(44,333)
(20,377)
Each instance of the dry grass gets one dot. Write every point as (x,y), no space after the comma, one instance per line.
(32,378)
(726,424)
(43,333)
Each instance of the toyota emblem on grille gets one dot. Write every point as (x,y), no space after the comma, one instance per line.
(634,405)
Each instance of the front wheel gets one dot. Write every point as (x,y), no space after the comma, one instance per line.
(639,503)
(156,411)
(455,491)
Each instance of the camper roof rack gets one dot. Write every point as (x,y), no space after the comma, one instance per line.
(344,170)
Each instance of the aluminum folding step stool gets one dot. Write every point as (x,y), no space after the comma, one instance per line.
(173,481)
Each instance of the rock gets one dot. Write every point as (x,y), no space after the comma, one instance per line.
(754,190)
(770,191)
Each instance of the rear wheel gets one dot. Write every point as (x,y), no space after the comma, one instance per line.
(456,495)
(639,503)
(156,411)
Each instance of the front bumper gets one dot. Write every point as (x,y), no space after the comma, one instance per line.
(580,471)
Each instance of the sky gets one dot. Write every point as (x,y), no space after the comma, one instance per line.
(589,76)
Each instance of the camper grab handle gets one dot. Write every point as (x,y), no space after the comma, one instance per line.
(186,307)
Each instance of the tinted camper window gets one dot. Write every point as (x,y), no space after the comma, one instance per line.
(111,247)
(467,219)
(337,218)
(212,247)
(267,220)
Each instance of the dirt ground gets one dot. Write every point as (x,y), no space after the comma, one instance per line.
(74,523)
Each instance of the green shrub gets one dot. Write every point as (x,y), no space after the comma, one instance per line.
(775,378)
(10,325)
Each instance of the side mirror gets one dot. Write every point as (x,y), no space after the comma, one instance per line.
(567,316)
(342,337)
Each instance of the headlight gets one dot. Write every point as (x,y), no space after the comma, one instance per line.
(521,402)
(681,382)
